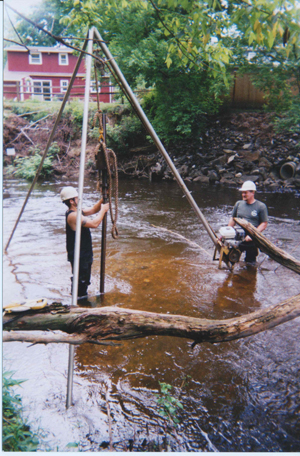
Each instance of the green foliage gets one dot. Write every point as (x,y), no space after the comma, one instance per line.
(34,109)
(180,111)
(168,403)
(90,164)
(26,167)
(276,86)
(16,434)
(289,120)
(75,110)
(72,445)
(21,109)
(127,133)
(47,15)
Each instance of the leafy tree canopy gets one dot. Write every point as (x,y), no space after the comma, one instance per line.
(185,50)
(197,32)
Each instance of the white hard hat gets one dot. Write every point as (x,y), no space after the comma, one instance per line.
(248,186)
(68,193)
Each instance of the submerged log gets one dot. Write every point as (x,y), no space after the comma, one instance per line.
(268,247)
(113,323)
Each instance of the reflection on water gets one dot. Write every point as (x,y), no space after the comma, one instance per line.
(238,396)
(236,295)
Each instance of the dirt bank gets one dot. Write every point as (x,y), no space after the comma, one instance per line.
(234,148)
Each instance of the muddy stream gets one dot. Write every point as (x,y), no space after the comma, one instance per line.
(236,396)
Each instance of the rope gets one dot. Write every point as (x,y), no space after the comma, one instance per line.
(98,114)
(107,154)
(114,216)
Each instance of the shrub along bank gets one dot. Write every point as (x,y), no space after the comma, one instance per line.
(16,433)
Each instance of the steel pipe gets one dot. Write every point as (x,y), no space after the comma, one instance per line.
(288,170)
(104,221)
(88,64)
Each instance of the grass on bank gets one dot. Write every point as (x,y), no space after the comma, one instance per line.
(35,110)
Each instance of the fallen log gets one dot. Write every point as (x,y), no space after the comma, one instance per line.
(51,337)
(113,323)
(268,247)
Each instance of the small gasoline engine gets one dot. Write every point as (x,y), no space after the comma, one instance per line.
(232,238)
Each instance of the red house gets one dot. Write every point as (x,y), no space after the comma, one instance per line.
(44,73)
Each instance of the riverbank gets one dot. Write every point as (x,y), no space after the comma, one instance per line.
(236,146)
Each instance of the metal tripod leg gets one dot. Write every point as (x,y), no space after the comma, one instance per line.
(88,64)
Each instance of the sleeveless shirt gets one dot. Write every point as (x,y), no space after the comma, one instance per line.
(86,249)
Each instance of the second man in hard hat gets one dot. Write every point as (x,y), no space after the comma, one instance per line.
(253,211)
(69,196)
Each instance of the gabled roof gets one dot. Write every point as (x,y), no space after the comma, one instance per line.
(56,50)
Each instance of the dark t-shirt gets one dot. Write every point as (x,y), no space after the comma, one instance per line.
(255,213)
(86,249)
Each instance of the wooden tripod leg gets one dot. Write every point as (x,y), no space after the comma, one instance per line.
(221,257)
(215,253)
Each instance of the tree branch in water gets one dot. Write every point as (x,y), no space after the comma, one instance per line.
(98,325)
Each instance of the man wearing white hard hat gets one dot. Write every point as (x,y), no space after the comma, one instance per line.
(69,196)
(253,211)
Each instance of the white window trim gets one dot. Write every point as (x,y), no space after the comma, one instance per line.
(42,93)
(93,87)
(28,85)
(35,63)
(60,58)
(64,88)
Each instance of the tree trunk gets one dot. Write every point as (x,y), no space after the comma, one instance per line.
(267,247)
(97,325)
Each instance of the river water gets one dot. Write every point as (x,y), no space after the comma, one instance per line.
(236,396)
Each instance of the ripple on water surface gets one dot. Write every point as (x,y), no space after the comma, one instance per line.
(236,396)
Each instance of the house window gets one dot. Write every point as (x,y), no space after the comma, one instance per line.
(93,87)
(63,59)
(42,90)
(35,58)
(64,85)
